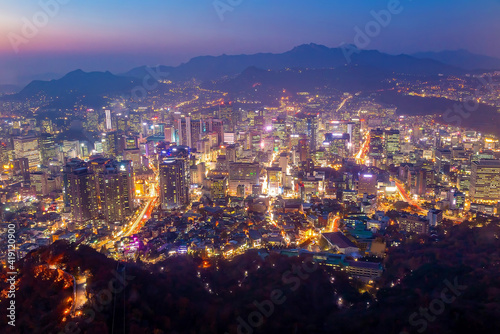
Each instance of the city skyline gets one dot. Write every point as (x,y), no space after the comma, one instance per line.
(320,172)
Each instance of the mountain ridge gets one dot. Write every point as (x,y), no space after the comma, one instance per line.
(462,58)
(207,69)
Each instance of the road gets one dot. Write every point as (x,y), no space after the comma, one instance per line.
(343,103)
(143,216)
(196,97)
(404,195)
(334,225)
(360,156)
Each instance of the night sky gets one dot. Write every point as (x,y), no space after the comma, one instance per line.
(118,35)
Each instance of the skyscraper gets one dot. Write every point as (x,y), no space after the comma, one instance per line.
(110,143)
(304,151)
(82,194)
(102,188)
(354,131)
(485,181)
(109,125)
(188,131)
(173,186)
(312,129)
(48,148)
(376,144)
(112,195)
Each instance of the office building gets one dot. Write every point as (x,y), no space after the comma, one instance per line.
(376,150)
(392,143)
(246,174)
(27,147)
(485,181)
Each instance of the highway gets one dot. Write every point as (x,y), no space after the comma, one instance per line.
(143,216)
(404,195)
(360,156)
(134,225)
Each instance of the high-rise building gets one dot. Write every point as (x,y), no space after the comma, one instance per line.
(39,182)
(115,188)
(216,126)
(274,181)
(338,144)
(47,126)
(81,193)
(112,195)
(173,186)
(188,131)
(246,174)
(227,115)
(391,142)
(21,168)
(4,153)
(197,131)
(92,120)
(279,128)
(135,122)
(485,181)
(283,163)
(126,169)
(312,130)
(109,125)
(183,130)
(231,152)
(218,188)
(354,131)
(105,187)
(367,184)
(304,149)
(443,159)
(110,143)
(122,123)
(27,147)
(376,144)
(48,149)
(424,178)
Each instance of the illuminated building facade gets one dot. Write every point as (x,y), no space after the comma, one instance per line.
(485,181)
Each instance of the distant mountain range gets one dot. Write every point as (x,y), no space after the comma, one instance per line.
(463,59)
(319,65)
(307,56)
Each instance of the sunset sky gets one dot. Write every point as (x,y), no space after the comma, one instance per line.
(118,35)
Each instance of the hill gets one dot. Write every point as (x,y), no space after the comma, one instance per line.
(462,58)
(187,295)
(79,83)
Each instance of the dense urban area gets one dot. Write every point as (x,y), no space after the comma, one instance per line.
(191,175)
